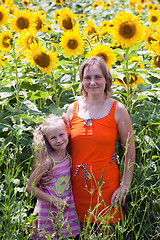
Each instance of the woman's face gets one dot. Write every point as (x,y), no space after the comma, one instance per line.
(93,80)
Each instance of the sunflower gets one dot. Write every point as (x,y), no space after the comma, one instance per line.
(133,81)
(22,20)
(156,44)
(103,51)
(103,33)
(5,41)
(49,27)
(8,3)
(1,61)
(3,15)
(66,19)
(38,56)
(97,3)
(25,3)
(139,8)
(58,2)
(25,39)
(155,61)
(136,60)
(91,30)
(132,3)
(39,20)
(104,23)
(150,6)
(154,18)
(148,38)
(56,14)
(72,43)
(156,7)
(127,29)
(107,5)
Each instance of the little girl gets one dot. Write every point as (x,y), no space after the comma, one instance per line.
(55,207)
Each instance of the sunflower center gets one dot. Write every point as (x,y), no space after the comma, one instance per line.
(38,23)
(30,41)
(132,79)
(42,60)
(103,56)
(127,29)
(157,61)
(151,39)
(154,19)
(6,42)
(91,31)
(67,23)
(1,16)
(22,22)
(72,44)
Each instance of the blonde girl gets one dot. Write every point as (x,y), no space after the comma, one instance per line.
(55,207)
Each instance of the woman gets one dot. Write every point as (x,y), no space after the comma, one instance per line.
(96,120)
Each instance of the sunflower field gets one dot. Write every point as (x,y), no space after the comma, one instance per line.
(42,45)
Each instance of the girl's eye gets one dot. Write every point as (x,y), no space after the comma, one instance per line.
(87,78)
(53,137)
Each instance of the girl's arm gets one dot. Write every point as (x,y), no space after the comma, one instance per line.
(127,140)
(34,179)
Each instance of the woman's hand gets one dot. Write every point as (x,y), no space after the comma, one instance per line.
(120,194)
(45,179)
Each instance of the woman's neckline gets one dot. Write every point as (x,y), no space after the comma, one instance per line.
(94,118)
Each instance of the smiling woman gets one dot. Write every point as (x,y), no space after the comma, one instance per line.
(96,120)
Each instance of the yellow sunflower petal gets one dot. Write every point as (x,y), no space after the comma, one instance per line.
(4,12)
(104,51)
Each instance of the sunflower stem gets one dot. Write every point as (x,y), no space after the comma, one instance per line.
(17,79)
(55,90)
(127,80)
(39,99)
(74,69)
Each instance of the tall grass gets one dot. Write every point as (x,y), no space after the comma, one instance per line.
(141,220)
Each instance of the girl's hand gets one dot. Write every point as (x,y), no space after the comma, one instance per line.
(60,204)
(120,194)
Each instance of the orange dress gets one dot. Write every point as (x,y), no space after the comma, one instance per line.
(95,176)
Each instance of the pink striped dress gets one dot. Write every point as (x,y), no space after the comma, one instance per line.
(50,221)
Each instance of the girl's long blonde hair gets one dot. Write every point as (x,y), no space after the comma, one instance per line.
(42,148)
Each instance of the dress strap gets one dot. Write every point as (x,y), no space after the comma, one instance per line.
(75,108)
(112,111)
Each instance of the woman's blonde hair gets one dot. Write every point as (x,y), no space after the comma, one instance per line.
(105,71)
(42,147)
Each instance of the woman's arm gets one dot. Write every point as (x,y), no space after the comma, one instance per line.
(127,140)
(34,179)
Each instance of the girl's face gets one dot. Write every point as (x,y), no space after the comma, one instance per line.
(93,80)
(57,136)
